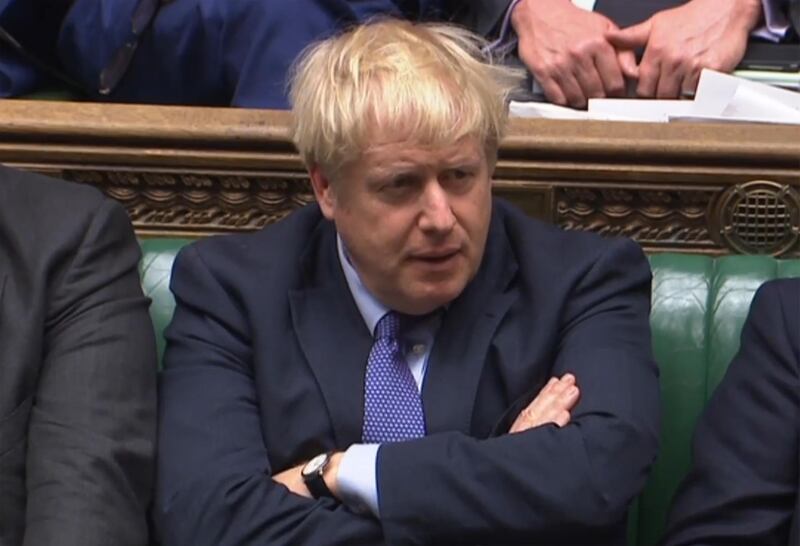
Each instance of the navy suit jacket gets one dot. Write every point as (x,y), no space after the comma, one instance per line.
(211,52)
(265,363)
(743,485)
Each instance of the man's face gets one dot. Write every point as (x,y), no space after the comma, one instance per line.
(414,220)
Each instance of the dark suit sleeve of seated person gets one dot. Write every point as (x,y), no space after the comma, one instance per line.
(743,484)
(215,461)
(89,468)
(577,304)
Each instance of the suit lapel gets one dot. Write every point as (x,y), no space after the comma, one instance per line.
(336,342)
(333,337)
(462,343)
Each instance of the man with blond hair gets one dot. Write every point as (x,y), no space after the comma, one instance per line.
(408,361)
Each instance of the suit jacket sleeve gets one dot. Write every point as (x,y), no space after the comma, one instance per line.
(90,464)
(546,485)
(480,16)
(742,487)
(214,484)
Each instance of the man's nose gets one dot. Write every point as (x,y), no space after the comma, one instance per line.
(437,213)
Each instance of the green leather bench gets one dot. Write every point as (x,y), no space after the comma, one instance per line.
(699,305)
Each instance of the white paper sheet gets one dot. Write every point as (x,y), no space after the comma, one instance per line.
(716,90)
(640,110)
(719,98)
(552,111)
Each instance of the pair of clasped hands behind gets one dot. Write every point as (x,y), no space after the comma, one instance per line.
(552,405)
(576,54)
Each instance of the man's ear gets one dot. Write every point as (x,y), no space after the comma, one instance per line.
(323,191)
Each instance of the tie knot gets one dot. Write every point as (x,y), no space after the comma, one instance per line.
(388,326)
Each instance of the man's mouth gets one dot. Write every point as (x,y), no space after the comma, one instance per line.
(437,256)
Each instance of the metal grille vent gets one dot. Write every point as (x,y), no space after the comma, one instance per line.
(761,217)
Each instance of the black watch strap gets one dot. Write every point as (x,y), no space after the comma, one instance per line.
(316,482)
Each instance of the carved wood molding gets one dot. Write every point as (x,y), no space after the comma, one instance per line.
(199,203)
(666,219)
(194,171)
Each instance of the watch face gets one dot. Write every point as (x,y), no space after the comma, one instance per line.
(313,466)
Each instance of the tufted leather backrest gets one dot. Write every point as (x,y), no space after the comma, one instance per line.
(699,306)
(155,269)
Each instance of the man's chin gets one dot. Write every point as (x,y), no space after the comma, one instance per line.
(431,298)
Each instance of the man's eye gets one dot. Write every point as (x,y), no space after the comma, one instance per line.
(458,176)
(399,183)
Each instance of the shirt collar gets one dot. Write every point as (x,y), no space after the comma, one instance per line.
(370,308)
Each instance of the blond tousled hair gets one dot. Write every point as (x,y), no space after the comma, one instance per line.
(430,84)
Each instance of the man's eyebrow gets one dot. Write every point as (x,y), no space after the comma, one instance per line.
(385,173)
(395,166)
(463,161)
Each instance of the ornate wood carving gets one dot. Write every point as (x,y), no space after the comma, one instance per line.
(199,204)
(655,218)
(193,171)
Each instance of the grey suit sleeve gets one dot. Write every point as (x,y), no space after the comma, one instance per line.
(92,429)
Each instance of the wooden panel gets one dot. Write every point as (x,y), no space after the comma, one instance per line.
(703,188)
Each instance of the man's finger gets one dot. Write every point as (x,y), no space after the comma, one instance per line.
(571,88)
(630,38)
(546,389)
(627,62)
(669,83)
(649,73)
(292,480)
(570,393)
(553,91)
(689,84)
(547,405)
(562,419)
(570,397)
(551,392)
(610,71)
(560,387)
(590,79)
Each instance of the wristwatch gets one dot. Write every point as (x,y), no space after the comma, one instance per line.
(312,475)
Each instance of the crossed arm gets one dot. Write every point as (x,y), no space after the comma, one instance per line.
(551,406)
(218,486)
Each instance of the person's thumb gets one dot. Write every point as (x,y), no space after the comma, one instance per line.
(630,38)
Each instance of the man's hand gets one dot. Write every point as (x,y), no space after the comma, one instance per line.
(293,478)
(566,50)
(680,42)
(552,405)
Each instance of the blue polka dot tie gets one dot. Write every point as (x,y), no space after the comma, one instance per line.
(392,403)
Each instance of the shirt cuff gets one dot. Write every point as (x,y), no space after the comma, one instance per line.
(776,22)
(357,480)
